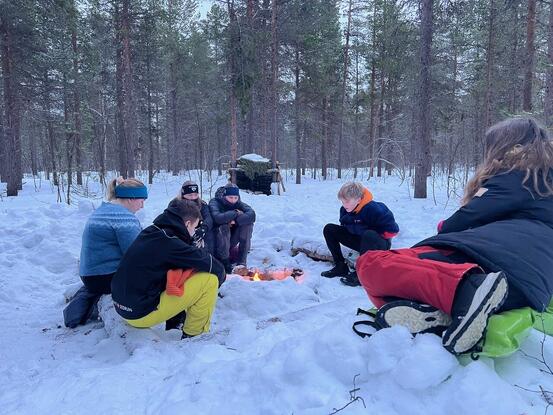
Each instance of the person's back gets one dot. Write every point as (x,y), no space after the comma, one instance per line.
(142,274)
(507,226)
(108,233)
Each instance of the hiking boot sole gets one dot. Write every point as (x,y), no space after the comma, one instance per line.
(416,317)
(487,299)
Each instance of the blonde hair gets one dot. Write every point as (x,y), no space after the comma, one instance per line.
(120,181)
(516,144)
(198,201)
(351,190)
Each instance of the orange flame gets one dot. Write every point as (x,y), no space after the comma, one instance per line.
(256,277)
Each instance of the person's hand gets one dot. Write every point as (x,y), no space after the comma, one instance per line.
(232,223)
(238,211)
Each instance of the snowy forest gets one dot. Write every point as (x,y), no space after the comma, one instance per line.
(383,85)
(276,207)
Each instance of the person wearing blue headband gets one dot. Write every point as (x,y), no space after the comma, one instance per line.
(107,235)
(233,226)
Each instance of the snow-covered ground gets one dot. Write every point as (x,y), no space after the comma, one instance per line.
(277,347)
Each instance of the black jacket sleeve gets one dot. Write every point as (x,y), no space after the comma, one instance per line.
(220,217)
(246,218)
(498,197)
(186,256)
(207,220)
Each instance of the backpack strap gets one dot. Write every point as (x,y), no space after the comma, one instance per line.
(369,323)
(370,313)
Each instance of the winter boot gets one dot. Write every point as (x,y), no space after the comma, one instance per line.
(416,317)
(351,279)
(477,297)
(339,270)
(176,322)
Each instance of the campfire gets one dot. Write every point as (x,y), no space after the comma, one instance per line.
(255,274)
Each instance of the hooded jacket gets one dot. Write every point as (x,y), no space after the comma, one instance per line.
(142,274)
(224,212)
(506,227)
(369,215)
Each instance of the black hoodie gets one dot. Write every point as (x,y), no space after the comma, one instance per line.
(142,273)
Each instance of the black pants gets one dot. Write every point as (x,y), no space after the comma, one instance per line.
(368,241)
(227,237)
(82,306)
(98,284)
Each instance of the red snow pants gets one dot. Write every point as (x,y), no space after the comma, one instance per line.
(409,274)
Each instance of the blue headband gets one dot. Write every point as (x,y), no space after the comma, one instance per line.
(127,192)
(232,191)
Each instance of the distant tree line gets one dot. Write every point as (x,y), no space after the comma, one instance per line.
(150,85)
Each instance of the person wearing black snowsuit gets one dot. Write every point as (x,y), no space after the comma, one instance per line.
(494,254)
(233,225)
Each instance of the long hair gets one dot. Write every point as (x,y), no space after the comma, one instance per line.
(516,144)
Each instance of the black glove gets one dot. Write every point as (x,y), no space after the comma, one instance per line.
(199,234)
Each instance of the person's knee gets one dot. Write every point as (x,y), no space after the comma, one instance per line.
(329,229)
(223,229)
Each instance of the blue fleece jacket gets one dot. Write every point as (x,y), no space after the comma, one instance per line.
(107,235)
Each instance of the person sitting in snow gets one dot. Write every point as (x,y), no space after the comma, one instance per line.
(163,277)
(233,225)
(365,225)
(493,254)
(203,237)
(108,233)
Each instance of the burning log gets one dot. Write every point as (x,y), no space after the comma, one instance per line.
(254,274)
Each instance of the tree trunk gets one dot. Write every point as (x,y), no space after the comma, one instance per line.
(12,171)
(76,94)
(422,168)
(232,101)
(514,61)
(69,139)
(120,99)
(343,93)
(490,54)
(549,78)
(297,115)
(47,105)
(324,141)
(129,109)
(274,79)
(529,57)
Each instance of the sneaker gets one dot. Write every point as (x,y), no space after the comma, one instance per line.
(476,299)
(176,322)
(416,317)
(339,270)
(351,279)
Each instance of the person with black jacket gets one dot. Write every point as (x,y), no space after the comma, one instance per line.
(365,225)
(203,236)
(233,225)
(494,254)
(164,277)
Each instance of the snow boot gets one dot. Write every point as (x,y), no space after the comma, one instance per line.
(339,270)
(477,297)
